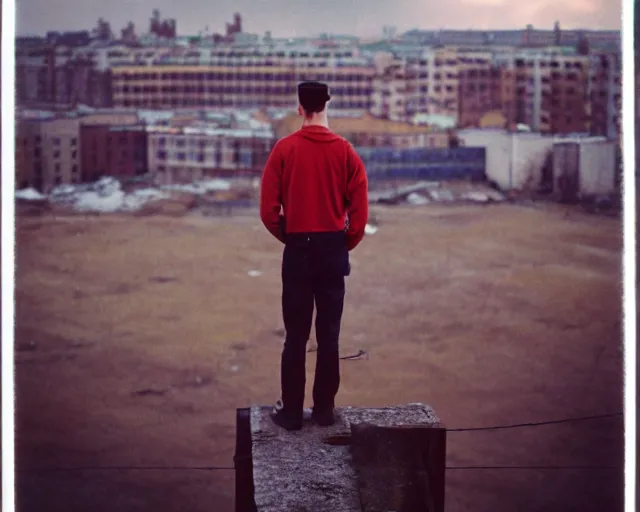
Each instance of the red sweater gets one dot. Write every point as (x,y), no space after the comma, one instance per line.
(318,179)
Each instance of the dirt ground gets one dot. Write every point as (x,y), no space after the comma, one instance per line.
(137,339)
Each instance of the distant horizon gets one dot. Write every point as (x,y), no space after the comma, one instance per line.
(341,34)
(304,18)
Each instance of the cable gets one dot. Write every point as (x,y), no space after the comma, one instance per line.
(359,355)
(472,429)
(125,468)
(531,467)
(229,468)
(536,424)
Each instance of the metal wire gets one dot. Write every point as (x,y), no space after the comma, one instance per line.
(471,429)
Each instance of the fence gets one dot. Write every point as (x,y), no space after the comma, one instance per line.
(425,163)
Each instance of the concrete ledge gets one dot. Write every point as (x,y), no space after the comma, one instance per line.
(313,470)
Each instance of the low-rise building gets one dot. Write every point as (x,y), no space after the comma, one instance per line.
(51,151)
(191,154)
(117,151)
(369,131)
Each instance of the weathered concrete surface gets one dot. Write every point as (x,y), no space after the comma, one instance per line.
(399,468)
(302,472)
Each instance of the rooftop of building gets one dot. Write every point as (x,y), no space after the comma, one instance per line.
(365,123)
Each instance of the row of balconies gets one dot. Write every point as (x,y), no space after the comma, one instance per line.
(287,90)
(226,101)
(247,76)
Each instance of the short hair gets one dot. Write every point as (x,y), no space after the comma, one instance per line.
(313,96)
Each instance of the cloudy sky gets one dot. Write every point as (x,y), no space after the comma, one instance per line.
(309,17)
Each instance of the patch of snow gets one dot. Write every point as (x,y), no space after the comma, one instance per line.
(105,195)
(30,194)
(93,201)
(494,195)
(201,187)
(441,195)
(478,197)
(62,190)
(254,273)
(417,199)
(370,230)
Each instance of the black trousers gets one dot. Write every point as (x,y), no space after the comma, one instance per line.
(314,267)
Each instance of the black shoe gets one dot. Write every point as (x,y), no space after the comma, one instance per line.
(324,418)
(283,420)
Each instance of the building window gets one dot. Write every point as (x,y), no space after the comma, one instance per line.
(56,154)
(74,169)
(55,141)
(74,154)
(56,168)
(74,142)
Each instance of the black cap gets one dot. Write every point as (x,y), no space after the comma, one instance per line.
(313,95)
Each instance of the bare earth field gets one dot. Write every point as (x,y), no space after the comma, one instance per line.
(137,339)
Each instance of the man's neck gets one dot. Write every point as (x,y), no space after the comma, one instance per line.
(316,120)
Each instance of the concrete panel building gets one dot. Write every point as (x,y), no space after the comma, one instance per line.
(549,90)
(238,85)
(605,88)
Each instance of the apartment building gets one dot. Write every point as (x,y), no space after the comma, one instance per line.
(51,154)
(118,151)
(389,96)
(50,149)
(528,36)
(243,78)
(545,89)
(459,83)
(61,76)
(479,89)
(605,94)
(428,84)
(191,154)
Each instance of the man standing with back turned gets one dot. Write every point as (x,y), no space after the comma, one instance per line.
(319,181)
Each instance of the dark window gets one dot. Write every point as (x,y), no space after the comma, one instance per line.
(74,141)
